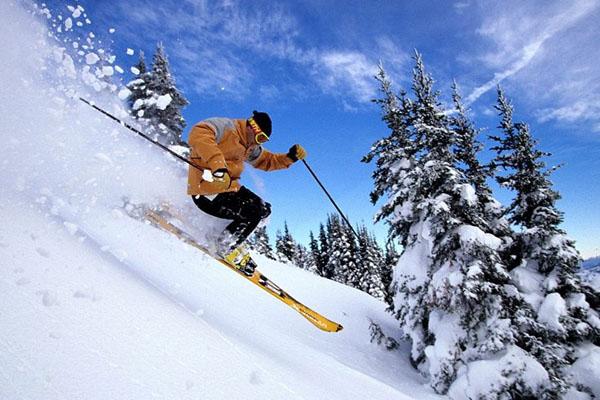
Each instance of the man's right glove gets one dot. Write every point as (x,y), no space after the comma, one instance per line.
(221,180)
(296,153)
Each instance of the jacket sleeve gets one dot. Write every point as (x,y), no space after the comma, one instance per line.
(203,142)
(268,161)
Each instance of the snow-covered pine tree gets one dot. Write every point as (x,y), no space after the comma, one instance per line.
(466,149)
(387,274)
(394,155)
(285,245)
(164,101)
(451,292)
(259,242)
(303,258)
(324,266)
(355,269)
(343,252)
(546,259)
(315,252)
(138,89)
(371,262)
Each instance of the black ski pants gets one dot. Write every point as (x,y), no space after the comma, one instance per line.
(244,207)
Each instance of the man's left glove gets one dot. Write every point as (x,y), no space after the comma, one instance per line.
(296,153)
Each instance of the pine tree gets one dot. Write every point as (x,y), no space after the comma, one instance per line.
(371,262)
(303,258)
(395,156)
(451,283)
(285,245)
(260,243)
(546,259)
(138,89)
(164,102)
(387,274)
(317,258)
(343,253)
(323,258)
(355,270)
(466,150)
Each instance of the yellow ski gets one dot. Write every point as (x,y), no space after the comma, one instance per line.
(257,278)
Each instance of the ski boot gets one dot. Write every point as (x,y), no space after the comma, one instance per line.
(240,259)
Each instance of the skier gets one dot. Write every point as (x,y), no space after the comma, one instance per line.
(219,148)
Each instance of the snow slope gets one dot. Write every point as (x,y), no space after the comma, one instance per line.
(97,305)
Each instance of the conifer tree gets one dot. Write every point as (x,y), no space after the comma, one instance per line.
(259,242)
(138,89)
(355,270)
(343,252)
(451,284)
(466,150)
(318,265)
(324,254)
(387,274)
(371,260)
(285,245)
(394,155)
(303,258)
(546,259)
(164,101)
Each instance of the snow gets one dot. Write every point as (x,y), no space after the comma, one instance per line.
(472,234)
(551,310)
(585,369)
(134,70)
(130,52)
(108,71)
(467,193)
(484,377)
(97,305)
(207,175)
(91,58)
(163,101)
(528,281)
(124,93)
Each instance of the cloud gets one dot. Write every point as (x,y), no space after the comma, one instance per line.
(579,111)
(227,47)
(350,74)
(461,6)
(219,45)
(350,71)
(520,34)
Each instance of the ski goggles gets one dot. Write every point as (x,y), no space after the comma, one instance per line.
(259,136)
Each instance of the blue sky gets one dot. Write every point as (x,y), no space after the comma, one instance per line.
(310,64)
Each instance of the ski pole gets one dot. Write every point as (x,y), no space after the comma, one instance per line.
(131,128)
(330,198)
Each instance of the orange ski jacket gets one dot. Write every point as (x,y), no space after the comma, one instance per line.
(218,143)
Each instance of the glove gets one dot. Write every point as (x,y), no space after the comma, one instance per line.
(221,180)
(296,153)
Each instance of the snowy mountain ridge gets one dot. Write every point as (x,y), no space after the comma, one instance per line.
(589,263)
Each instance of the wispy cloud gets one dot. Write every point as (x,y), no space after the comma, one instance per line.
(461,6)
(581,110)
(226,47)
(521,35)
(350,70)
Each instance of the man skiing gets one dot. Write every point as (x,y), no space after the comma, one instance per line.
(219,148)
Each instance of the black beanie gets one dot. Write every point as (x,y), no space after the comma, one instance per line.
(263,120)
